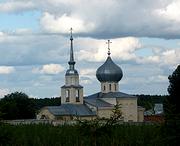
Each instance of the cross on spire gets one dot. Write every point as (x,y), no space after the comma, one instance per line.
(109,42)
(71,30)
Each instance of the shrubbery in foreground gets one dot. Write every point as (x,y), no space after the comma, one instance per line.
(82,135)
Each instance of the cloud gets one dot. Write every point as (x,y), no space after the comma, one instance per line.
(16,6)
(113,18)
(105,18)
(142,74)
(62,24)
(166,57)
(171,57)
(22,31)
(170,12)
(121,49)
(15,51)
(3,92)
(6,69)
(49,69)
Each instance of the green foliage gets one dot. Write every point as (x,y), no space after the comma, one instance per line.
(99,128)
(172,104)
(39,103)
(98,132)
(48,135)
(148,101)
(172,107)
(16,106)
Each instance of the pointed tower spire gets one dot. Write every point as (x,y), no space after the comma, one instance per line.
(109,42)
(71,61)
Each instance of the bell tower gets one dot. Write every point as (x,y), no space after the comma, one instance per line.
(72,91)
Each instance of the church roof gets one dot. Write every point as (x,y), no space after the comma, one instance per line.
(70,110)
(98,103)
(110,95)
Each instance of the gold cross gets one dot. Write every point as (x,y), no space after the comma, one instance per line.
(109,42)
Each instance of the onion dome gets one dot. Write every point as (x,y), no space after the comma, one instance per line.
(109,71)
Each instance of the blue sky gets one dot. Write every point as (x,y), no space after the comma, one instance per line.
(34,43)
(28,20)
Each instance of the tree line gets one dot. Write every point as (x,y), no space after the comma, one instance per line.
(18,105)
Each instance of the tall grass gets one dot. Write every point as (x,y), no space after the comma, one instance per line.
(80,135)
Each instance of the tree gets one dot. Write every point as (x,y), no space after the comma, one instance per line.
(17,105)
(99,127)
(172,106)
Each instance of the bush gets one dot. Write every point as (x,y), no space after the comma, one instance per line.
(48,135)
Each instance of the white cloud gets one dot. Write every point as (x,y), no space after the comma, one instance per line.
(63,23)
(171,11)
(105,18)
(109,18)
(6,69)
(3,92)
(86,82)
(153,59)
(16,6)
(22,31)
(171,57)
(49,69)
(2,36)
(89,73)
(1,33)
(121,49)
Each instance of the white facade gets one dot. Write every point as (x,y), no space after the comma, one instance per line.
(109,87)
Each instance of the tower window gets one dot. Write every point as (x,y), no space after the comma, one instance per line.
(109,87)
(67,95)
(115,87)
(104,87)
(77,96)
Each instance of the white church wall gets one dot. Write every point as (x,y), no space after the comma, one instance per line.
(109,87)
(72,80)
(104,113)
(72,96)
(141,114)
(128,107)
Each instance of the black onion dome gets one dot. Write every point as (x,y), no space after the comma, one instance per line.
(109,72)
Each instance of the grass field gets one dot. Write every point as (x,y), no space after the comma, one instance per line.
(82,135)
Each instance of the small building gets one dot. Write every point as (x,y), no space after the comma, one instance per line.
(101,104)
(155,115)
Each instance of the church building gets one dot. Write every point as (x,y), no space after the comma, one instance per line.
(75,105)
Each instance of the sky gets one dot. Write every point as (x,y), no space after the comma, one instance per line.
(34,44)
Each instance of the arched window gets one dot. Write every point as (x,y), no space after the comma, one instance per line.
(77,96)
(115,88)
(104,87)
(67,95)
(109,87)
